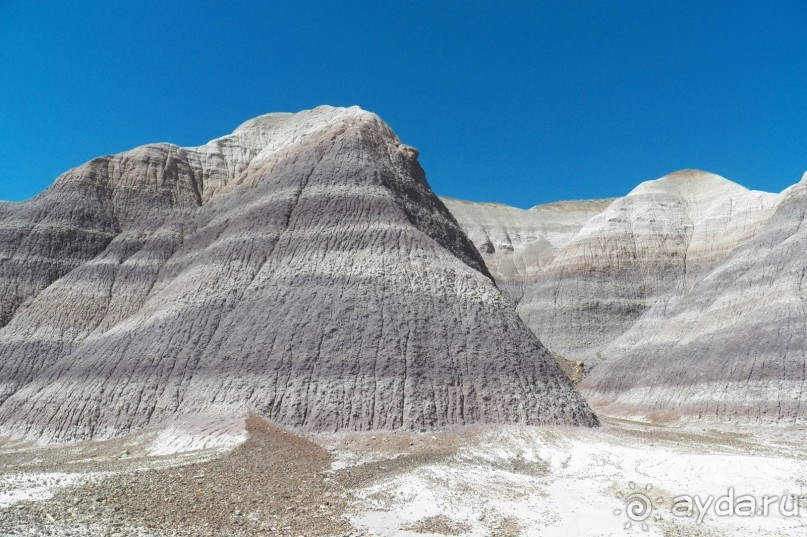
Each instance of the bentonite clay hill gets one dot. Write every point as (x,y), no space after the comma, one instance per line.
(645,247)
(516,244)
(300,268)
(733,346)
(586,271)
(685,295)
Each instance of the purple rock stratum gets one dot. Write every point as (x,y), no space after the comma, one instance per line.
(300,268)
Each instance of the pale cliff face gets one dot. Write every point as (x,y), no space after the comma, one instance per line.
(300,268)
(581,273)
(681,297)
(733,347)
(653,243)
(517,245)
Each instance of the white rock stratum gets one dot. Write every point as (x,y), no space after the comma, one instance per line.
(685,295)
(300,268)
(653,243)
(732,346)
(516,244)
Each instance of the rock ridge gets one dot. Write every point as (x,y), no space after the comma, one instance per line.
(300,268)
(682,299)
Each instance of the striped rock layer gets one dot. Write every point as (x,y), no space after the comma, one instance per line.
(516,244)
(300,268)
(733,347)
(685,296)
(649,245)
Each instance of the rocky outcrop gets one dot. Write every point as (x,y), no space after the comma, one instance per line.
(516,244)
(686,298)
(652,244)
(732,347)
(300,268)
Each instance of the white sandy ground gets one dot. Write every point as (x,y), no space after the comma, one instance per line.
(15,488)
(502,481)
(566,482)
(198,433)
(191,439)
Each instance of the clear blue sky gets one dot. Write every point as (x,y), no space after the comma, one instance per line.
(522,102)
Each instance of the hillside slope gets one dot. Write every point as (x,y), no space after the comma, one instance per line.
(733,347)
(300,268)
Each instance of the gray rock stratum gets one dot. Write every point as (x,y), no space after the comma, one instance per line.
(599,265)
(516,244)
(653,243)
(686,295)
(733,346)
(300,268)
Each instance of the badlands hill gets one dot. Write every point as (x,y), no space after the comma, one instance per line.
(685,296)
(516,244)
(653,243)
(300,268)
(733,345)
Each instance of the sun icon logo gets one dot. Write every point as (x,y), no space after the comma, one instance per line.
(639,508)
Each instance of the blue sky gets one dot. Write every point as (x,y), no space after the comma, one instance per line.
(522,102)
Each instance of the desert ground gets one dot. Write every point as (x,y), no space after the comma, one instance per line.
(206,477)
